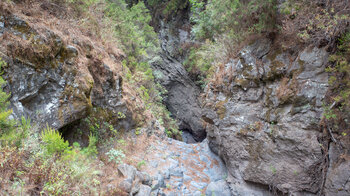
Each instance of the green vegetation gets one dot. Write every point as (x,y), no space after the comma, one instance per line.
(52,167)
(7,129)
(168,7)
(199,63)
(115,156)
(223,25)
(140,43)
(235,19)
(8,132)
(53,142)
(140,164)
(338,104)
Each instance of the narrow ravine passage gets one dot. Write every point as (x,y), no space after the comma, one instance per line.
(182,99)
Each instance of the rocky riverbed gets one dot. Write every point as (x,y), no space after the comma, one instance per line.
(175,168)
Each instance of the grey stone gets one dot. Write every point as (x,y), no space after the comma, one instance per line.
(127,171)
(144,178)
(158,183)
(338,174)
(144,190)
(135,187)
(199,185)
(218,188)
(72,51)
(176,172)
(197,193)
(126,185)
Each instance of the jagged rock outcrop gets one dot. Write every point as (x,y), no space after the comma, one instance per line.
(182,97)
(338,174)
(262,118)
(56,80)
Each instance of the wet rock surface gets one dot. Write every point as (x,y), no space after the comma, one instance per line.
(264,121)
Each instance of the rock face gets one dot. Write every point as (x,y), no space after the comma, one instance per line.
(338,176)
(53,80)
(182,97)
(262,119)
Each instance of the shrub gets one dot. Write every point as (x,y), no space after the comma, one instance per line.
(91,150)
(133,30)
(8,133)
(53,141)
(115,156)
(337,109)
(235,18)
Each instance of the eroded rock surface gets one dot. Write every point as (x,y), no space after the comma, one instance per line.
(264,119)
(182,97)
(338,176)
(54,80)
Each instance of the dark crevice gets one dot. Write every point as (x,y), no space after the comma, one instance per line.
(270,188)
(73,132)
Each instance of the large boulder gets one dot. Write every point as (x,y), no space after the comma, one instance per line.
(263,119)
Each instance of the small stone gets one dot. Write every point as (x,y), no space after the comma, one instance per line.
(144,190)
(218,188)
(158,183)
(199,185)
(144,178)
(72,51)
(126,185)
(176,172)
(136,187)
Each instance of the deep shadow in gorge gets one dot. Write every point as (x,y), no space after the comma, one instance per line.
(182,99)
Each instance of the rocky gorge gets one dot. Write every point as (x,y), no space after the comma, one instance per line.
(255,128)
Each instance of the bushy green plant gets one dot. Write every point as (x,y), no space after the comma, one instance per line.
(4,111)
(132,29)
(199,63)
(91,150)
(25,124)
(338,103)
(53,141)
(8,133)
(233,17)
(115,155)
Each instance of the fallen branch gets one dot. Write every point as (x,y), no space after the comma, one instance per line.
(330,132)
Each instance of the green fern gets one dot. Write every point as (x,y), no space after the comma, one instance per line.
(53,141)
